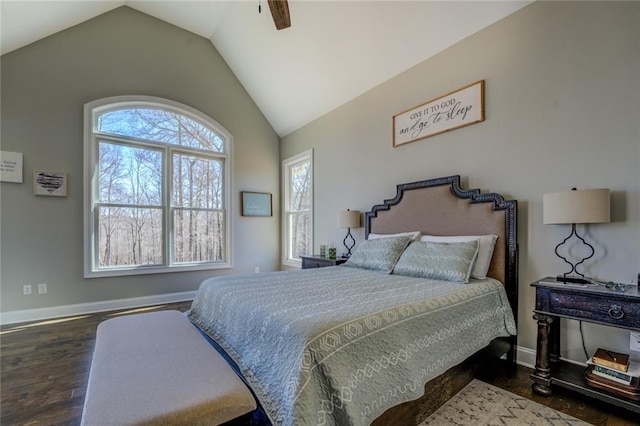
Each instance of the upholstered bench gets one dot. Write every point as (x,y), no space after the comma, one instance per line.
(156,368)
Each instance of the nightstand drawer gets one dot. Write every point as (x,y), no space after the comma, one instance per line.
(315,263)
(595,308)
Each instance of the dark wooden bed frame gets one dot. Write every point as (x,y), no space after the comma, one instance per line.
(441,207)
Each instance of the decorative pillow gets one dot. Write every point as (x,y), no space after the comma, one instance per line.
(415,235)
(485,250)
(440,261)
(379,254)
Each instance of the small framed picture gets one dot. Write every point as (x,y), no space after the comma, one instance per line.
(10,166)
(256,203)
(53,184)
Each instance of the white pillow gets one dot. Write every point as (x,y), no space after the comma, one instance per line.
(415,235)
(485,250)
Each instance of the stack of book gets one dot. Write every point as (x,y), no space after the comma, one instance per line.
(615,373)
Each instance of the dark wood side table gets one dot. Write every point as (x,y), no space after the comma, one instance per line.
(316,261)
(593,303)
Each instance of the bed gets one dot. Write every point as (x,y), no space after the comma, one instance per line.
(356,343)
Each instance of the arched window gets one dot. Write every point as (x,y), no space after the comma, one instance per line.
(156,188)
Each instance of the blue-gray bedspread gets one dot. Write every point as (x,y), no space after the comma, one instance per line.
(340,345)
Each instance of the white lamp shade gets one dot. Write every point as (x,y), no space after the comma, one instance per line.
(577,206)
(349,219)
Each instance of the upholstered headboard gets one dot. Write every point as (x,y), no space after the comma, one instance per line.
(440,207)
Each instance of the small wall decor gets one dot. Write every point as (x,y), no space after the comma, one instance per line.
(50,183)
(256,203)
(456,109)
(10,166)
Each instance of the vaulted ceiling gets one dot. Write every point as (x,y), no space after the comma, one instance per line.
(333,51)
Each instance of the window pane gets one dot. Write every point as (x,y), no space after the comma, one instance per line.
(198,236)
(300,187)
(300,232)
(129,236)
(129,175)
(161,126)
(197,182)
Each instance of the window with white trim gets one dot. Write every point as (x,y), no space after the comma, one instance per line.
(157,181)
(298,207)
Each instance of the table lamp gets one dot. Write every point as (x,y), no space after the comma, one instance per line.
(573,207)
(349,219)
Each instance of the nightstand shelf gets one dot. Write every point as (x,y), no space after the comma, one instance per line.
(317,261)
(595,304)
(571,376)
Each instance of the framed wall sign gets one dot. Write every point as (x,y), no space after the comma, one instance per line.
(10,166)
(456,109)
(256,204)
(50,183)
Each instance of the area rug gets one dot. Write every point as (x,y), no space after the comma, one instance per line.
(481,404)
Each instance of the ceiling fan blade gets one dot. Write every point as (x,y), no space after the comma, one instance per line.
(280,13)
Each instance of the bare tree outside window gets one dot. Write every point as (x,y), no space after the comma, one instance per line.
(300,208)
(197,200)
(298,176)
(130,186)
(160,196)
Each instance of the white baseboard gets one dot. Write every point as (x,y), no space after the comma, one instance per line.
(525,356)
(26,315)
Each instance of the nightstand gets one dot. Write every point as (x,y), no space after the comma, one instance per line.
(592,303)
(316,261)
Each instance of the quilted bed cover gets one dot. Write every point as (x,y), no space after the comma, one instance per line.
(340,345)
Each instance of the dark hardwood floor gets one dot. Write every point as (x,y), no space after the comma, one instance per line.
(45,367)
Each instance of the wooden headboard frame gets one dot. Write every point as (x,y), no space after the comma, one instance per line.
(440,207)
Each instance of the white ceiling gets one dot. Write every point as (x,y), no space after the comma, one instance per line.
(333,52)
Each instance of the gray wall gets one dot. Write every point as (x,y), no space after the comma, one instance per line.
(562,101)
(44,88)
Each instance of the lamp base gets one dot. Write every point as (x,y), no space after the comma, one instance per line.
(348,244)
(572,279)
(566,277)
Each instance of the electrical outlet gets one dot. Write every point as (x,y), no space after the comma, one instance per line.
(42,288)
(256,269)
(27,290)
(634,341)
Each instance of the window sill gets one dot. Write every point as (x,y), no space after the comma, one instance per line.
(146,270)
